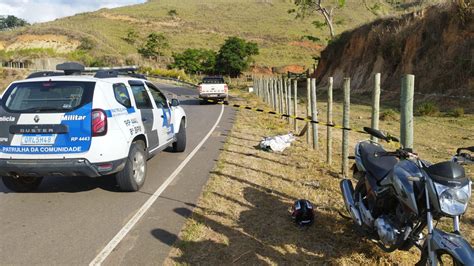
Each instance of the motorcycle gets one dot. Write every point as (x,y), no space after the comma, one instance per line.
(398,195)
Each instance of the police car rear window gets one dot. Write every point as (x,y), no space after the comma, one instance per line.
(47,97)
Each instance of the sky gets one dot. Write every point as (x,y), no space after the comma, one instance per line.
(35,11)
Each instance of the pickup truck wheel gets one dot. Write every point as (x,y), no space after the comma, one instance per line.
(132,177)
(180,144)
(22,184)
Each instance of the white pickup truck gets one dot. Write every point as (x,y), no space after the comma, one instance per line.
(213,88)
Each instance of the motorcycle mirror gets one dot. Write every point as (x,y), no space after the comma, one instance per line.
(376,133)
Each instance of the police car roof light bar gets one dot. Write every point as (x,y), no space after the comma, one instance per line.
(71,68)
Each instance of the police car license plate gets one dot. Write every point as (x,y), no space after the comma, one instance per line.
(38,140)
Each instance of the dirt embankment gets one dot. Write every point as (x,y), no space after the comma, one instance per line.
(435,44)
(9,75)
(59,43)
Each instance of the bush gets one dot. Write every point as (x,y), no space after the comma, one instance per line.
(168,73)
(427,109)
(172,13)
(131,37)
(86,44)
(389,115)
(195,61)
(457,112)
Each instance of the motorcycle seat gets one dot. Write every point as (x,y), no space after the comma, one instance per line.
(377,166)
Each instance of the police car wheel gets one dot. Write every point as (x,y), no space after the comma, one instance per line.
(22,184)
(180,144)
(132,177)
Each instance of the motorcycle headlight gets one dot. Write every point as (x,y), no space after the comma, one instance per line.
(453,201)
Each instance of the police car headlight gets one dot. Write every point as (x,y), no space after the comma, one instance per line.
(453,201)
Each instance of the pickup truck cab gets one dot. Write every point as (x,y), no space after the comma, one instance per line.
(70,124)
(213,88)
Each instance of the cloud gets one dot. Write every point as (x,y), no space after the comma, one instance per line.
(46,10)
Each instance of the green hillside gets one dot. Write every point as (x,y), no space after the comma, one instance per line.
(205,24)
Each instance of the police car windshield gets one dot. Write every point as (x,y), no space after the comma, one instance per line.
(39,97)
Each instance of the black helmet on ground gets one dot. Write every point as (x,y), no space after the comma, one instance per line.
(302,212)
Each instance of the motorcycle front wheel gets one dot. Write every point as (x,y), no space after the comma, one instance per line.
(443,258)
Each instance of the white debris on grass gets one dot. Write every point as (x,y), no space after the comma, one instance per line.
(277,143)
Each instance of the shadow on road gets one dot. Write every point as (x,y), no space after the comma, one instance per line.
(72,184)
(190,102)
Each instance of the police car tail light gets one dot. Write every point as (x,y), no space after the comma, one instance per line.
(226,89)
(99,123)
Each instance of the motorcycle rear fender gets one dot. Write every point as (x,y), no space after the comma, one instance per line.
(453,244)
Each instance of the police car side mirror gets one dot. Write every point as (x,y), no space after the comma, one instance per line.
(174,102)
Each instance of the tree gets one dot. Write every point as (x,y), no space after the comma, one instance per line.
(154,45)
(195,61)
(235,56)
(131,37)
(325,8)
(86,44)
(10,22)
(173,13)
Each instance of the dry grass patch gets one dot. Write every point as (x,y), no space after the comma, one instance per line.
(7,76)
(243,214)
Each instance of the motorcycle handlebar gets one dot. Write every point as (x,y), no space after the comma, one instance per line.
(463,158)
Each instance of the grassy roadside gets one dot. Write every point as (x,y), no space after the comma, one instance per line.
(242,216)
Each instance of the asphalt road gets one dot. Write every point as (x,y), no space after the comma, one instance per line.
(71,220)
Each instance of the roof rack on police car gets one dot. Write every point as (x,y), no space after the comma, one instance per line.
(45,74)
(73,68)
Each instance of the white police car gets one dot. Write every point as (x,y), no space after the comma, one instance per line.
(70,124)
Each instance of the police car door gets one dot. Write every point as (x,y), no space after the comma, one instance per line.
(144,107)
(164,110)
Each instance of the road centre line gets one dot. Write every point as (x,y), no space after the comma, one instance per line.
(102,256)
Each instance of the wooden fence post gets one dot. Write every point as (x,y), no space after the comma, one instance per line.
(314,114)
(346,125)
(295,103)
(285,94)
(272,93)
(290,109)
(329,121)
(406,114)
(308,108)
(255,86)
(375,105)
(275,94)
(280,82)
(267,92)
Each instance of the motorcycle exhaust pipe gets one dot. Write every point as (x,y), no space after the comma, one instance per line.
(347,192)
